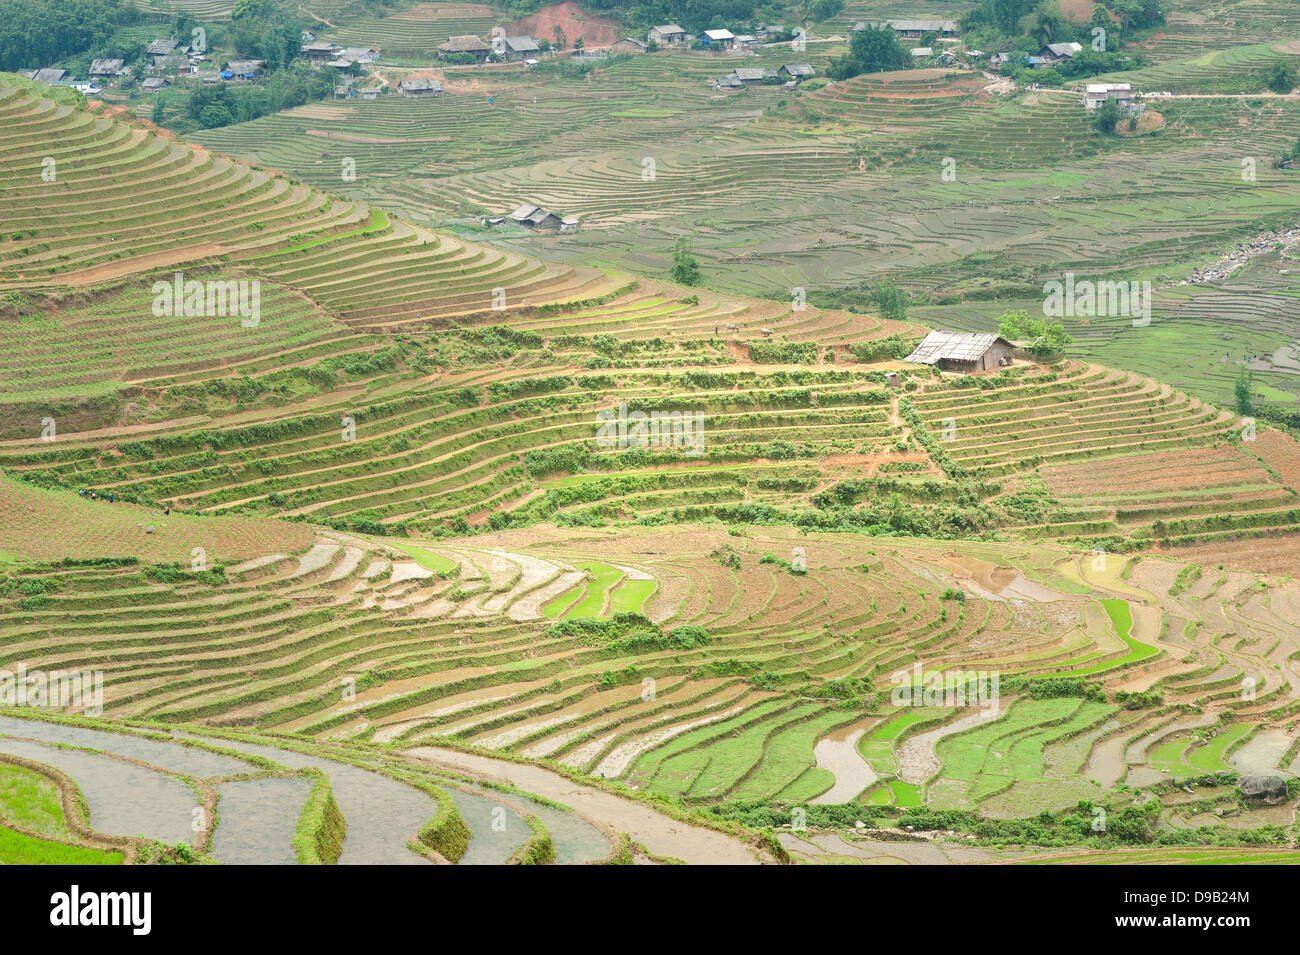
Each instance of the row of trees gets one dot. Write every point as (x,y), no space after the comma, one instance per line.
(35,33)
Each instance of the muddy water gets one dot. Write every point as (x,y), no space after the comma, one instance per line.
(576,840)
(1262,753)
(992,582)
(497,830)
(661,834)
(1106,764)
(382,814)
(257,819)
(125,800)
(839,754)
(169,756)
(917,761)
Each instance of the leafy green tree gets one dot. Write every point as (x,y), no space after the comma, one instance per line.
(891,302)
(1042,338)
(1107,117)
(1280,77)
(1242,391)
(876,49)
(686,268)
(214,115)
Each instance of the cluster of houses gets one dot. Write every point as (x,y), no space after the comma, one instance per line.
(741,77)
(671,35)
(1049,55)
(324,53)
(164,60)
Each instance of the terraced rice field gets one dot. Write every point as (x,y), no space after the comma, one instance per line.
(487,546)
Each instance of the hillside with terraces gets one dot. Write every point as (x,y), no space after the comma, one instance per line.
(447,542)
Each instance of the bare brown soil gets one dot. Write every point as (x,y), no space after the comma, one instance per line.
(595,31)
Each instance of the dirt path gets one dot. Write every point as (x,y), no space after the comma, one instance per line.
(660,834)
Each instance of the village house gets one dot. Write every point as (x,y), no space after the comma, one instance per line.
(512,48)
(47,75)
(748,74)
(962,351)
(1054,53)
(1094,94)
(153,84)
(539,220)
(344,58)
(915,29)
(627,45)
(466,43)
(922,53)
(320,51)
(669,34)
(164,54)
(718,39)
(796,71)
(108,68)
(243,69)
(419,87)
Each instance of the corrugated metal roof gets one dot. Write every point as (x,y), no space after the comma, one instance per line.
(952,346)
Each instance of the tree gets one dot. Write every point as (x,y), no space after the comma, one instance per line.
(1242,392)
(686,268)
(1107,117)
(1043,338)
(1280,78)
(877,48)
(579,43)
(214,115)
(561,38)
(891,302)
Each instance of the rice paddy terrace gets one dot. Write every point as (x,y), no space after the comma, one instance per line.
(832,186)
(470,527)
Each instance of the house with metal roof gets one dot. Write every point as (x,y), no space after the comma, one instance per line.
(1056,52)
(47,75)
(535,217)
(915,28)
(796,71)
(718,39)
(670,34)
(516,47)
(107,67)
(962,351)
(419,87)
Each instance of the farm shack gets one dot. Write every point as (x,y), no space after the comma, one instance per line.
(627,44)
(796,71)
(962,351)
(670,34)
